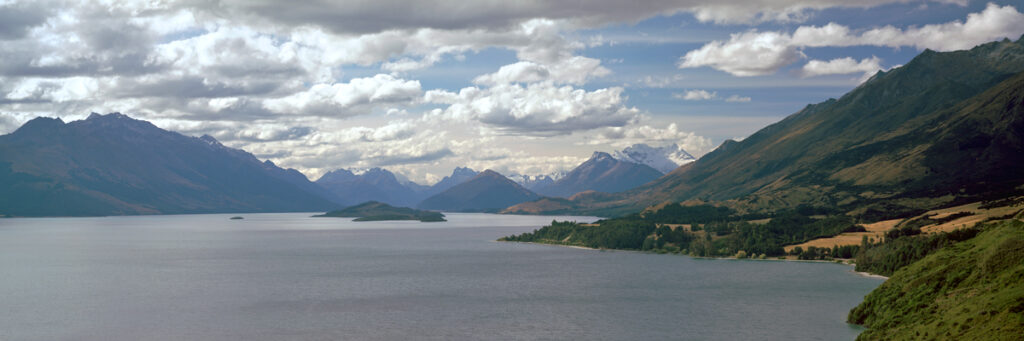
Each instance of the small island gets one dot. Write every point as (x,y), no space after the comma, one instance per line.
(378,211)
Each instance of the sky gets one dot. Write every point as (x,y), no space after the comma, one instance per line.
(422,87)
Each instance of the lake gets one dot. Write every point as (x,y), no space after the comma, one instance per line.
(293,277)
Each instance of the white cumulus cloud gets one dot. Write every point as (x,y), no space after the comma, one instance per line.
(840,66)
(755,53)
(537,109)
(696,95)
(745,54)
(347,99)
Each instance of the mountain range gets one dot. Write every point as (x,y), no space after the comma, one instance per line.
(375,184)
(897,143)
(602,172)
(115,165)
(378,184)
(945,127)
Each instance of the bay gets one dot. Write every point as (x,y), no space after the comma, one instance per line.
(290,276)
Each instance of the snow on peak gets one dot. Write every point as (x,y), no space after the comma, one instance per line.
(664,159)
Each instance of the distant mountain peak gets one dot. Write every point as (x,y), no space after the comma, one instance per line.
(488,191)
(599,155)
(336,176)
(210,139)
(116,121)
(380,174)
(489,173)
(464,171)
(602,172)
(664,159)
(110,116)
(40,124)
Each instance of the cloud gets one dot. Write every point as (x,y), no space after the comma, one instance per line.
(737,99)
(401,157)
(296,81)
(755,53)
(840,66)
(427,146)
(17,18)
(8,123)
(704,95)
(362,17)
(625,136)
(661,81)
(263,133)
(392,131)
(696,95)
(992,23)
(746,54)
(53,90)
(537,109)
(348,99)
(521,72)
(867,67)
(572,70)
(526,163)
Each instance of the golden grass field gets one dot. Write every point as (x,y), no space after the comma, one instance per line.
(878,229)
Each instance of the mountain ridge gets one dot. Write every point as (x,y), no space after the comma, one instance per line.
(870,145)
(113,165)
(602,173)
(488,191)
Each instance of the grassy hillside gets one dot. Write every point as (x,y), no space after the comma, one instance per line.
(971,290)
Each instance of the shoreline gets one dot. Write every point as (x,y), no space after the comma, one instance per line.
(859,273)
(870,275)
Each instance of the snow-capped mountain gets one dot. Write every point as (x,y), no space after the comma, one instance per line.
(533,182)
(537,182)
(664,159)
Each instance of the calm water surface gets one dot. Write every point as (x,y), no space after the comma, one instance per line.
(292,277)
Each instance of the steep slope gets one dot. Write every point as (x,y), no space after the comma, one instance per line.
(601,173)
(113,164)
(488,191)
(944,127)
(664,159)
(971,290)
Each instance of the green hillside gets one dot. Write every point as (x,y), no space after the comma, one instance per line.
(971,290)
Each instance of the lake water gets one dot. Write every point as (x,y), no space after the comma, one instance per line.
(292,277)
